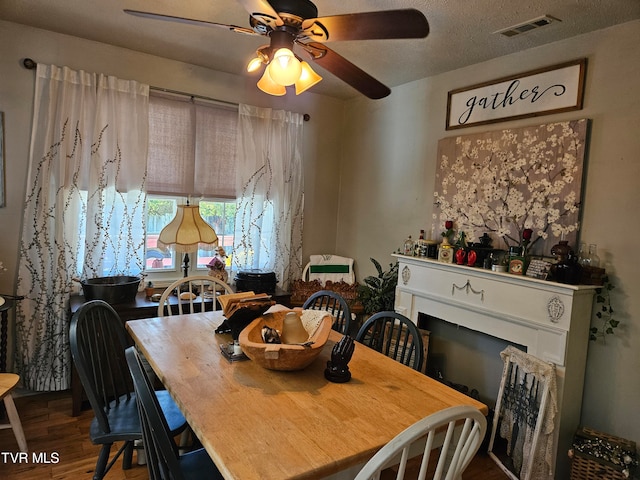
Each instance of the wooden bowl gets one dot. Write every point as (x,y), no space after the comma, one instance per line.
(278,356)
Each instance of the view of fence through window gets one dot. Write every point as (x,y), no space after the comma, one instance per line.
(161,210)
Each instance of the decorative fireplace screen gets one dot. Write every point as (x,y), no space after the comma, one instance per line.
(524,418)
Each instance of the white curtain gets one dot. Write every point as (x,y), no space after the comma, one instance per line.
(84,209)
(270,198)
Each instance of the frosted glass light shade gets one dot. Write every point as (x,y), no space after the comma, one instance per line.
(188,231)
(308,78)
(267,85)
(285,68)
(254,64)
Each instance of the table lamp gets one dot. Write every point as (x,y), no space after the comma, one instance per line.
(186,232)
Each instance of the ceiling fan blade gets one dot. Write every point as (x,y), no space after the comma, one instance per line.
(262,11)
(190,21)
(345,70)
(404,23)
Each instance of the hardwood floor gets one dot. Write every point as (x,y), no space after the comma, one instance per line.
(52,432)
(63,450)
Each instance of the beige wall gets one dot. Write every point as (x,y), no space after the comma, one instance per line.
(388,173)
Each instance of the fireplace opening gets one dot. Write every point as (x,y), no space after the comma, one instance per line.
(465,359)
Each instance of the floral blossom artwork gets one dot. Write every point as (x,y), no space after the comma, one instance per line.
(505,181)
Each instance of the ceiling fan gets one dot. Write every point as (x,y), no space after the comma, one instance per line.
(289,22)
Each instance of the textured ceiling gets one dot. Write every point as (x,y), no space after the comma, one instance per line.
(461,31)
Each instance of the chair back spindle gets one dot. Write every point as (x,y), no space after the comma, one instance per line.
(205,290)
(333,303)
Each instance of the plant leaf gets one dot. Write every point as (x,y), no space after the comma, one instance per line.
(378,266)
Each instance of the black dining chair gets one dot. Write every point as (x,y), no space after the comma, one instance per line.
(395,336)
(98,340)
(163,458)
(333,303)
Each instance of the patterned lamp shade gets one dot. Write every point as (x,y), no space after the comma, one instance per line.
(188,231)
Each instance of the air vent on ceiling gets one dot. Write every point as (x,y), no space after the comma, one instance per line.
(527,26)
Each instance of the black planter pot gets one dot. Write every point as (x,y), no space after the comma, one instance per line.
(113,290)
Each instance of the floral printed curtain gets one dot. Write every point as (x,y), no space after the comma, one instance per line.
(270,197)
(84,208)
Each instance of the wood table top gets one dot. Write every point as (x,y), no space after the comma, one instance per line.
(262,424)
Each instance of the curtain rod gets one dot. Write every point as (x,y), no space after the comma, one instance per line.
(30,64)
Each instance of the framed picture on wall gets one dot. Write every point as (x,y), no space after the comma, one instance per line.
(558,88)
(544,166)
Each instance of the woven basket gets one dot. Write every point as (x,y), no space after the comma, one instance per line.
(301,291)
(586,465)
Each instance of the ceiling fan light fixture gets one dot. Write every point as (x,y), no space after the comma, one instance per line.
(254,64)
(308,78)
(261,58)
(285,68)
(287,23)
(267,85)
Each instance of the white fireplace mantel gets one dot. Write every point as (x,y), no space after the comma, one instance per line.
(550,319)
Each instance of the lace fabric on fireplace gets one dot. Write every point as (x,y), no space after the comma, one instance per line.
(527,406)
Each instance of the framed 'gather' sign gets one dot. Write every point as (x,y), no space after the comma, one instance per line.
(558,88)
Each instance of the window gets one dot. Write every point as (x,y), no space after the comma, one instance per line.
(191,154)
(220,214)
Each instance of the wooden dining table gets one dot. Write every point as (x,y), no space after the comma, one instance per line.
(263,424)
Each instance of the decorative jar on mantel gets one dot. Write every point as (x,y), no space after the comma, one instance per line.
(567,269)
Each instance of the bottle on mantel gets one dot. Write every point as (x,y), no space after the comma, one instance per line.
(431,245)
(421,246)
(408,246)
(583,257)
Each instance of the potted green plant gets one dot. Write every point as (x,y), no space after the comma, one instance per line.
(378,293)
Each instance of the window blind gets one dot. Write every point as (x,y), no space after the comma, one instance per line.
(192,147)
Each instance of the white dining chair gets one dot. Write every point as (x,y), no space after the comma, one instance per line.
(329,267)
(463,428)
(198,289)
(8,381)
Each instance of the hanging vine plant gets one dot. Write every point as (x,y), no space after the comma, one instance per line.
(604,312)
